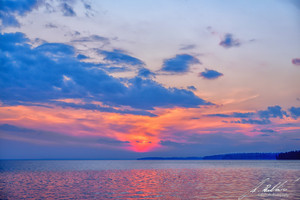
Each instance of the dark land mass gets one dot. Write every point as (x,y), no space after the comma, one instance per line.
(171,158)
(292,155)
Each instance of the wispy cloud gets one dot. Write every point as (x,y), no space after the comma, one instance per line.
(92,38)
(187,47)
(229,41)
(252,121)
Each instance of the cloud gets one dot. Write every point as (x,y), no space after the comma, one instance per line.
(89,11)
(52,71)
(179,64)
(91,106)
(119,57)
(92,38)
(67,10)
(252,121)
(296,61)
(234,115)
(48,137)
(113,69)
(111,141)
(264,131)
(87,5)
(144,93)
(295,112)
(9,10)
(260,116)
(210,74)
(82,57)
(187,47)
(242,115)
(219,115)
(170,143)
(143,72)
(267,131)
(50,25)
(228,41)
(272,112)
(193,88)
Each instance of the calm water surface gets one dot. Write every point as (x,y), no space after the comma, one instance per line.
(132,179)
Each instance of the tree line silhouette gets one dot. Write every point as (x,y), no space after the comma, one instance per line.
(291,155)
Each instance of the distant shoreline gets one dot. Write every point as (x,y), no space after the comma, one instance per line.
(292,155)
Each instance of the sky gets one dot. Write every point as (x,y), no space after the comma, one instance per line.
(120,79)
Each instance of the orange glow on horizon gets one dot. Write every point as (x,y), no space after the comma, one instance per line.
(143,133)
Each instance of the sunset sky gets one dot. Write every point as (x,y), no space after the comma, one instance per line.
(123,79)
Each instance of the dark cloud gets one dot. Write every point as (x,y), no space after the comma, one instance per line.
(252,121)
(170,143)
(147,94)
(179,64)
(52,71)
(210,74)
(272,112)
(119,57)
(228,41)
(261,116)
(9,10)
(144,72)
(81,56)
(88,8)
(295,112)
(296,61)
(267,131)
(50,25)
(243,115)
(264,131)
(47,137)
(92,38)
(113,69)
(67,10)
(264,135)
(234,114)
(187,47)
(219,115)
(111,141)
(91,106)
(87,5)
(193,88)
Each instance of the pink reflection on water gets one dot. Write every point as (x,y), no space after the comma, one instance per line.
(219,183)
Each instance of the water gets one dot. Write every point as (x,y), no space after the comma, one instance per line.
(164,179)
